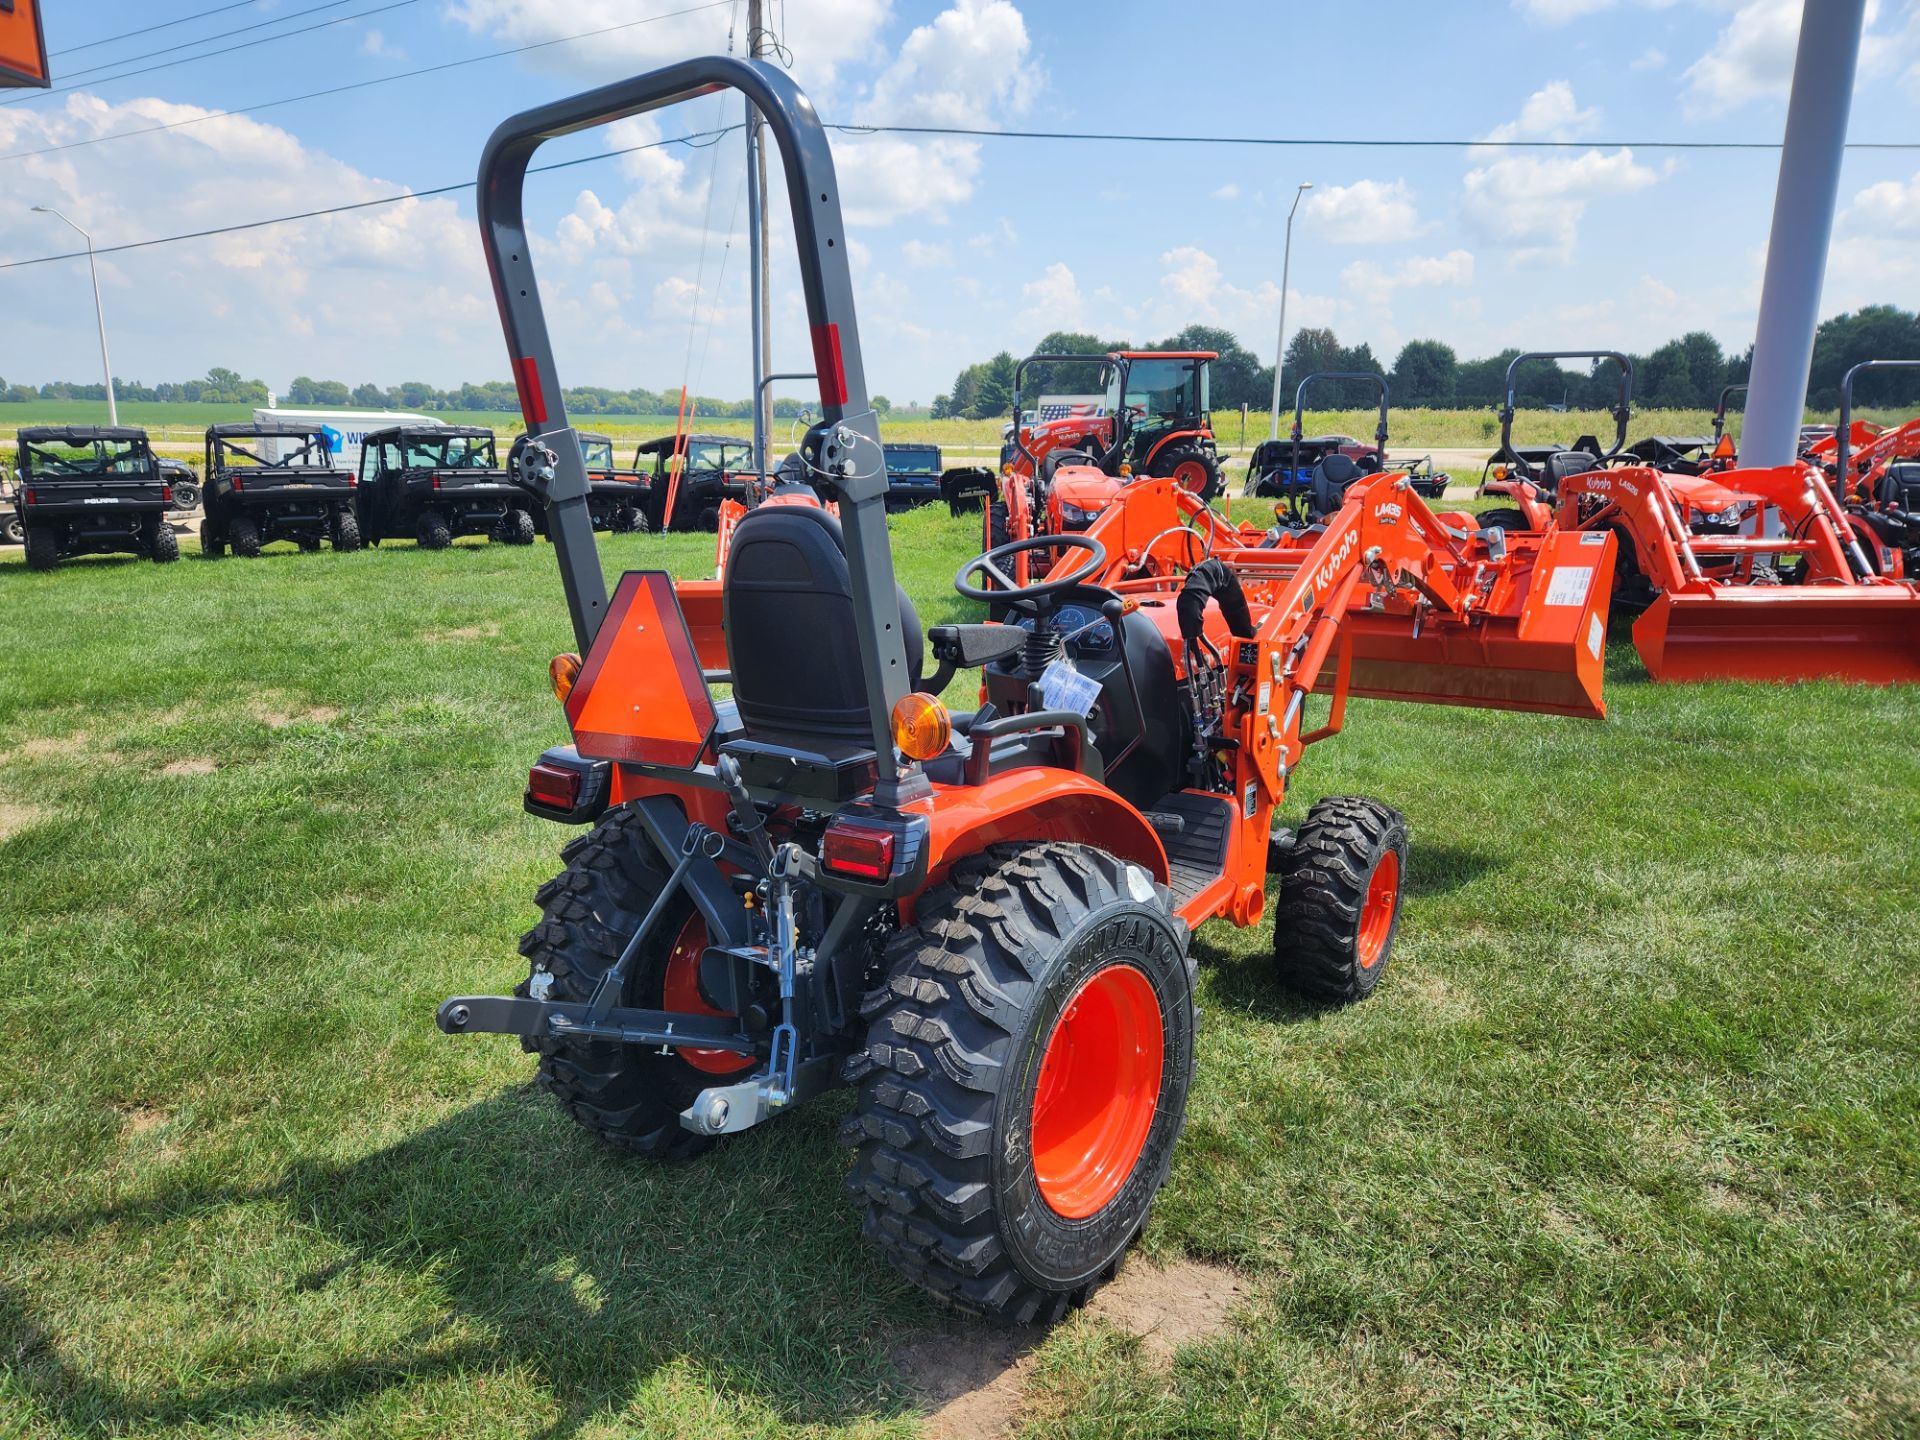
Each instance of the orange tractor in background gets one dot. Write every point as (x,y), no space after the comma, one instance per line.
(979,920)
(1735,572)
(1876,474)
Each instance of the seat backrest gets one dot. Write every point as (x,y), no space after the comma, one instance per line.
(787,607)
(1565,464)
(1331,477)
(1900,486)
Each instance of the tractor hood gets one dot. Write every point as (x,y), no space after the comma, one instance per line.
(1085,488)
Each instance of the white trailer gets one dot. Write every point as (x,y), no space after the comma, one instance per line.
(344,429)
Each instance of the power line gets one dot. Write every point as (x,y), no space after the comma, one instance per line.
(362,84)
(207,39)
(210,54)
(149,29)
(1311,140)
(710,136)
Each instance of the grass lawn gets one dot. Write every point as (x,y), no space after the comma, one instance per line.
(1628,1142)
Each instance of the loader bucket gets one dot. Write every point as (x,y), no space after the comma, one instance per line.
(1541,646)
(1865,633)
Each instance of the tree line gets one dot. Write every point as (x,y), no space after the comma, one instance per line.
(1685,373)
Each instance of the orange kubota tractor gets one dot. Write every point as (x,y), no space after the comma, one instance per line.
(979,921)
(1876,474)
(1736,572)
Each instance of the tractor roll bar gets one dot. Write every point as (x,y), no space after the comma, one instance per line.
(1844,439)
(1622,408)
(849,454)
(1720,410)
(1110,362)
(760,399)
(1300,411)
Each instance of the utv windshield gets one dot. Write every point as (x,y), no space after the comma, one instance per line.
(451,452)
(89,457)
(713,455)
(598,454)
(1161,388)
(914,462)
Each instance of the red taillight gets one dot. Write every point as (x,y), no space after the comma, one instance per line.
(166,493)
(239,483)
(554,786)
(32,497)
(436,482)
(863,852)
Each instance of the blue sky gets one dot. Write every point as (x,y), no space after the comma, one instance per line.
(961,247)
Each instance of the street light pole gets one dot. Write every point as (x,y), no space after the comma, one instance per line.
(1286,267)
(99,312)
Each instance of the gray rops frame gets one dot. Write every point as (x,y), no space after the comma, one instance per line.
(849,457)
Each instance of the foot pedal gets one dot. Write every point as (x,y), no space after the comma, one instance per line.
(1166,824)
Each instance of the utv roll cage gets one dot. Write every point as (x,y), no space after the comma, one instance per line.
(315,451)
(34,440)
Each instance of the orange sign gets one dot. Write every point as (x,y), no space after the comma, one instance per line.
(23,46)
(641,696)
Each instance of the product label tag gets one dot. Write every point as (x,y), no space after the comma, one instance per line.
(1064,688)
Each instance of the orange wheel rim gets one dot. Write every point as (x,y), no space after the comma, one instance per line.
(1190,476)
(1376,911)
(1098,1090)
(680,990)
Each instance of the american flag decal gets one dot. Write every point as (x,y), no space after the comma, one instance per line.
(1069,410)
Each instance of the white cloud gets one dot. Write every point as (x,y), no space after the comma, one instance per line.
(1374,284)
(1533,204)
(366,292)
(1367,212)
(884,178)
(376,44)
(1752,57)
(923,255)
(823,35)
(1550,113)
(1890,208)
(1559,12)
(1652,58)
(968,67)
(1053,302)
(1229,191)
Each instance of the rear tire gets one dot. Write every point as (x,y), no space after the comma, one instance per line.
(346,532)
(1506,518)
(43,549)
(434,532)
(630,1096)
(164,546)
(309,544)
(628,520)
(1192,466)
(1341,884)
(517,528)
(244,536)
(1023,1080)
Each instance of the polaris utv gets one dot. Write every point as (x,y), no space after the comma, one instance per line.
(91,490)
(708,466)
(274,480)
(619,498)
(917,473)
(432,482)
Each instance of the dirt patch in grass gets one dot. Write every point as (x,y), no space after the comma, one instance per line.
(276,712)
(488,631)
(50,747)
(15,818)
(972,1380)
(192,765)
(137,1120)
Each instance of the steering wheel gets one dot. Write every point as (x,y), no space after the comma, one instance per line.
(1055,584)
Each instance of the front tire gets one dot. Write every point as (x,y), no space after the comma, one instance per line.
(1023,1079)
(1508,519)
(346,532)
(434,533)
(629,1095)
(1341,884)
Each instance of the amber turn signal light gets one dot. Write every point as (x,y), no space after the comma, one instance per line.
(921,726)
(564,671)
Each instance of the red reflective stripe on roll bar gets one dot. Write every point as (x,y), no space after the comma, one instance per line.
(829,364)
(533,404)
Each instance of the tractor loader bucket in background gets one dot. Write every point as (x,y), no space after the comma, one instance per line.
(1870,635)
(1540,644)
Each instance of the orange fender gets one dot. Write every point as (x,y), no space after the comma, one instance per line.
(1037,803)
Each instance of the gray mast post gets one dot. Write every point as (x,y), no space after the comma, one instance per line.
(1803,206)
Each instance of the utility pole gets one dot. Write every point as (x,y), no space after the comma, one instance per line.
(99,312)
(761,300)
(1803,206)
(1286,267)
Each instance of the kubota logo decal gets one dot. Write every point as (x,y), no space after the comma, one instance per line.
(1330,569)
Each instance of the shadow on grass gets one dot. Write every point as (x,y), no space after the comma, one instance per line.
(535,1251)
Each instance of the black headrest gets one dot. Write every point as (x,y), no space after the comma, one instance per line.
(1338,469)
(1566,463)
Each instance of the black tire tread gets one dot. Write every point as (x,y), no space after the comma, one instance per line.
(346,532)
(928,1077)
(43,548)
(164,547)
(1323,885)
(244,536)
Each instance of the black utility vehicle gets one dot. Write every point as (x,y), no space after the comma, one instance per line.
(91,490)
(917,473)
(274,480)
(707,477)
(433,482)
(182,481)
(619,498)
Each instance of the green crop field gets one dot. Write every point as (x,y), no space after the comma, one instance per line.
(1452,429)
(1627,1143)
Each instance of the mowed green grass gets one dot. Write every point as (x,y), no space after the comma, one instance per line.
(1627,1143)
